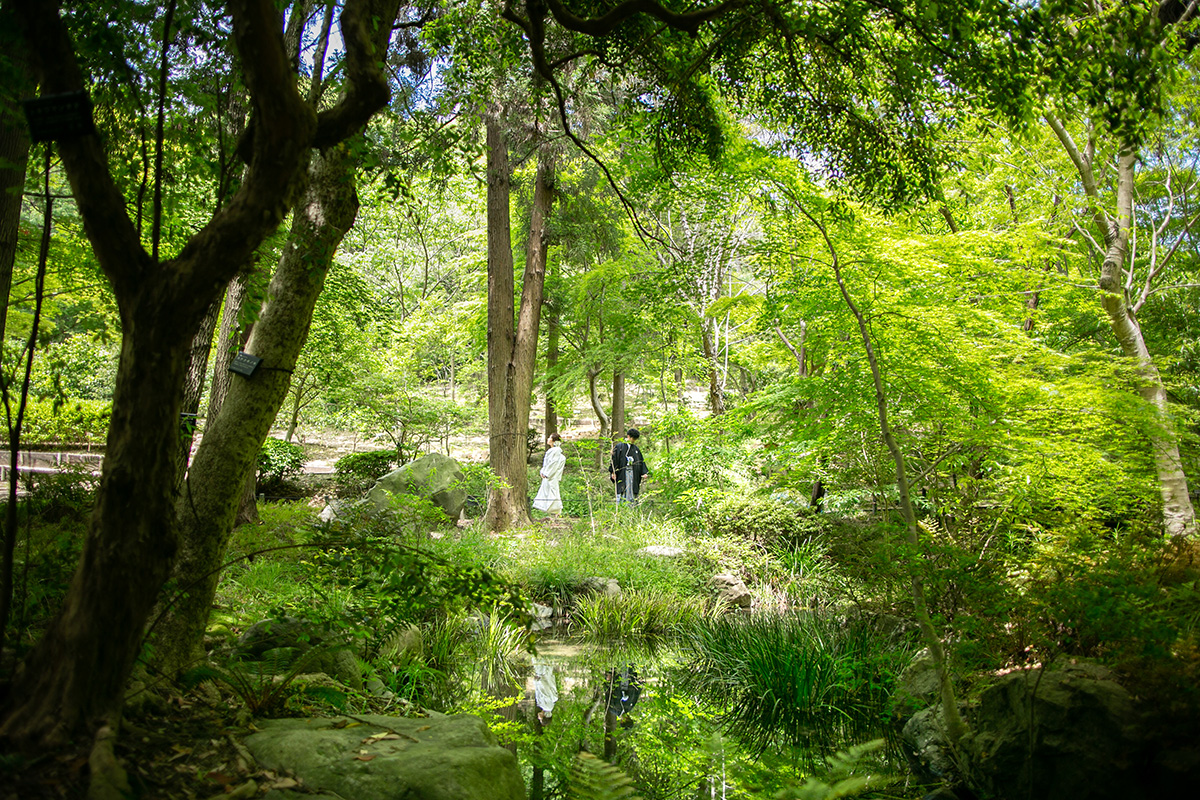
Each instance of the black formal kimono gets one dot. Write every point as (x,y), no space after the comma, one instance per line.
(627,468)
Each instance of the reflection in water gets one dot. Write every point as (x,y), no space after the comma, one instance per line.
(706,724)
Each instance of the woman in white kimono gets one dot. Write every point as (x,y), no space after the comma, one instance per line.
(548,498)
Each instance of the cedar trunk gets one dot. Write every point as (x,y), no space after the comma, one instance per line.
(512,350)
(618,401)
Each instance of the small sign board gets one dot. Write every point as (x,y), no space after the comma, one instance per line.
(244,364)
(59,116)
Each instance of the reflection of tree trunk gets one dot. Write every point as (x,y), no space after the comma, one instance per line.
(512,353)
(610,737)
(537,783)
(618,401)
(716,395)
(224,468)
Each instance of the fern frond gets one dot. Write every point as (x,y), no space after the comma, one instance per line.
(593,779)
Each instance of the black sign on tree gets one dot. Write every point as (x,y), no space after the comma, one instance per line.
(244,364)
(59,116)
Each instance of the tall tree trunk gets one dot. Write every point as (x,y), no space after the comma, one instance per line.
(618,402)
(1179,516)
(231,338)
(231,442)
(72,682)
(1178,513)
(552,353)
(14,160)
(716,394)
(193,387)
(799,353)
(512,351)
(593,375)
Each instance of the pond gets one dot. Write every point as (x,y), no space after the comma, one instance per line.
(739,706)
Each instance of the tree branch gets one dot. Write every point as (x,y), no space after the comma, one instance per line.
(689,22)
(366,28)
(1083,165)
(114,237)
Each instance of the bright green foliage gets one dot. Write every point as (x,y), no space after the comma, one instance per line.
(279,461)
(761,520)
(650,614)
(358,471)
(72,422)
(845,775)
(593,779)
(787,677)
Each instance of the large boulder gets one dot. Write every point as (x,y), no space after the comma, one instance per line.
(390,758)
(435,477)
(1062,733)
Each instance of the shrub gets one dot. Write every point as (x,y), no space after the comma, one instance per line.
(760,519)
(66,494)
(70,422)
(358,471)
(278,462)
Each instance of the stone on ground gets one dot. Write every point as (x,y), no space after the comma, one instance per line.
(390,758)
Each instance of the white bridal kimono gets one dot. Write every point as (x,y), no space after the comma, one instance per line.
(548,498)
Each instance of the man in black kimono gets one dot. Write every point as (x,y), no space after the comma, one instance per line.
(627,467)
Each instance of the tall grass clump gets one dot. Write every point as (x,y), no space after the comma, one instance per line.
(792,678)
(649,614)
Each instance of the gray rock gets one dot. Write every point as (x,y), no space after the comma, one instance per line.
(731,590)
(917,686)
(662,551)
(927,749)
(270,634)
(608,586)
(435,758)
(1064,733)
(436,477)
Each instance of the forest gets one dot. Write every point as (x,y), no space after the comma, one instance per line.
(892,305)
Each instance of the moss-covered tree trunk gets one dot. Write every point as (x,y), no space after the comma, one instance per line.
(72,682)
(229,449)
